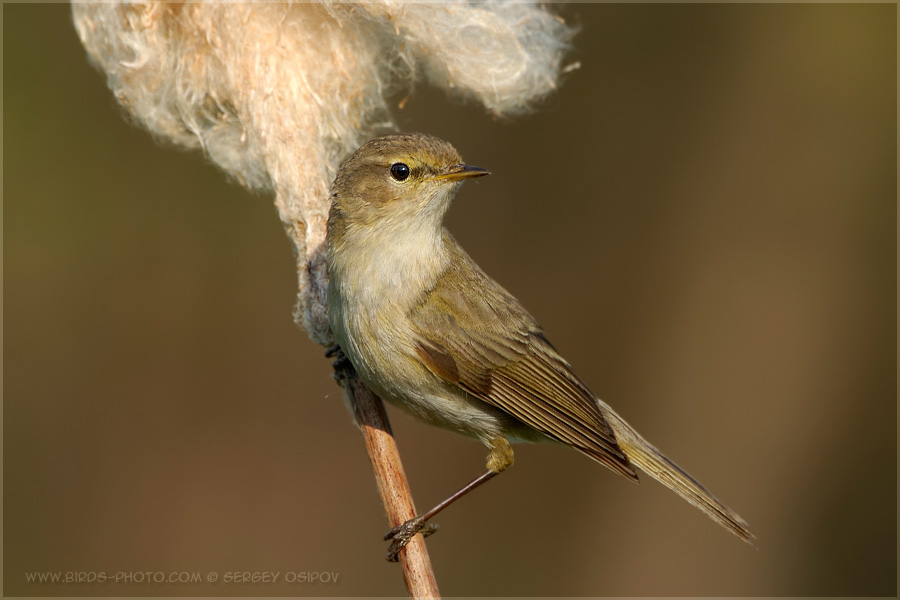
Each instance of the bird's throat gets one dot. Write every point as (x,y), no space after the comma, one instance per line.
(388,266)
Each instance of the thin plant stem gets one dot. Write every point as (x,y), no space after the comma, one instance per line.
(372,420)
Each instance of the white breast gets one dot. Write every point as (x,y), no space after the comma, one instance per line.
(369,304)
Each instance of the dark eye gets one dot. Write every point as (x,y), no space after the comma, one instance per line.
(399,171)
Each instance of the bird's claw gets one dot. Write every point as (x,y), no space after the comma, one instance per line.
(403,533)
(341,363)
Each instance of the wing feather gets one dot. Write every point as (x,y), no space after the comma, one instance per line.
(489,346)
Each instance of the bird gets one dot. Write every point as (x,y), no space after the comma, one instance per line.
(429,331)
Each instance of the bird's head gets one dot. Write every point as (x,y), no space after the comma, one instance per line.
(398,180)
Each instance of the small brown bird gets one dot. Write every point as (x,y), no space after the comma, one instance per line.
(429,331)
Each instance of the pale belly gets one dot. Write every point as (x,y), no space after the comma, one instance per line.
(392,370)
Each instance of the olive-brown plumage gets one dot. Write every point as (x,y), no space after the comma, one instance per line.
(499,354)
(429,331)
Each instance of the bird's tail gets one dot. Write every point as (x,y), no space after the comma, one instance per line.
(650,460)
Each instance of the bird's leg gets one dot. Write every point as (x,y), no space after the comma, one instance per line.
(499,459)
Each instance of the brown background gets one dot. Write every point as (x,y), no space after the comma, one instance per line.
(703,219)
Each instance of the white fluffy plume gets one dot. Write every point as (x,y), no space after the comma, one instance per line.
(278,93)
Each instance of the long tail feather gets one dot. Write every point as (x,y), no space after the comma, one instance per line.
(655,464)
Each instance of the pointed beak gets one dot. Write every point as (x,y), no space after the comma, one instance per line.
(460,172)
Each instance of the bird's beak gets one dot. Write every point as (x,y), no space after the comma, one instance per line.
(461,171)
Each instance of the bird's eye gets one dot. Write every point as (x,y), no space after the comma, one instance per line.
(399,171)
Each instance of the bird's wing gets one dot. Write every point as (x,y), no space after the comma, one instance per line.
(498,353)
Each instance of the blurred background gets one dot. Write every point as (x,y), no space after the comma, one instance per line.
(703,220)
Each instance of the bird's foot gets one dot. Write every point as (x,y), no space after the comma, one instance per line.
(401,534)
(341,363)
